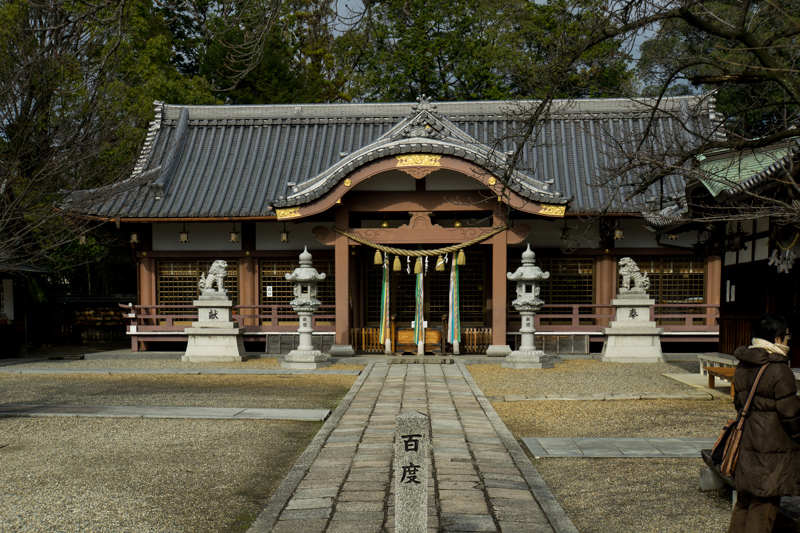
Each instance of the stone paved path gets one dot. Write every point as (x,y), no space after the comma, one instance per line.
(480,479)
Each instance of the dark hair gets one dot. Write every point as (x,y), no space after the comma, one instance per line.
(770,327)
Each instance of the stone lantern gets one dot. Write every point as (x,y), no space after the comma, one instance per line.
(305,278)
(528,276)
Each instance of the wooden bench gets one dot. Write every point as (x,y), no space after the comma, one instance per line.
(722,372)
(788,519)
(433,340)
(715,359)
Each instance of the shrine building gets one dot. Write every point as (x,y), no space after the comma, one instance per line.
(402,189)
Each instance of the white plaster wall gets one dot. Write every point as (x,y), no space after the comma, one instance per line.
(636,235)
(746,253)
(268,236)
(203,236)
(761,246)
(450,180)
(761,249)
(547,234)
(392,180)
(439,180)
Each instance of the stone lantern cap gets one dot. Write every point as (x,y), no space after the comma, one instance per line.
(528,271)
(305,273)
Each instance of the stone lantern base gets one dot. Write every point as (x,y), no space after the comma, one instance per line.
(305,360)
(498,350)
(305,357)
(528,359)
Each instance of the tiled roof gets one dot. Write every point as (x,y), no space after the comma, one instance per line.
(241,161)
(732,174)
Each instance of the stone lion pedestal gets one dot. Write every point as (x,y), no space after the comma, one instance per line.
(214,337)
(632,337)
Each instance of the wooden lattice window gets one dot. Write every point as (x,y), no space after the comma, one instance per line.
(675,280)
(437,290)
(571,282)
(176,282)
(274,289)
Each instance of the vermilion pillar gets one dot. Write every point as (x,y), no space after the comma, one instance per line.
(605,286)
(342,346)
(713,285)
(499,346)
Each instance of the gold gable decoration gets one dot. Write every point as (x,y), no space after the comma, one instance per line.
(290,212)
(553,210)
(419,160)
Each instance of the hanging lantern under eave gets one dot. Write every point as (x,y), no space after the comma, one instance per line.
(183,235)
(134,238)
(234,236)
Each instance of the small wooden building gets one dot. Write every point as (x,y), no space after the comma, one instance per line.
(758,274)
(254,185)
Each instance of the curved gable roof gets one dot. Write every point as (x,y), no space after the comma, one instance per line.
(424,131)
(243,161)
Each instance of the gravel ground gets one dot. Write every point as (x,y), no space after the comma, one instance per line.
(122,475)
(581,376)
(155,475)
(177,390)
(616,495)
(142,476)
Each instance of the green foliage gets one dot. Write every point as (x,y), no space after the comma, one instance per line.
(746,52)
(455,50)
(552,58)
(77,82)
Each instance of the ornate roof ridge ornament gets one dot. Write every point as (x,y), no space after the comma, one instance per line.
(424,121)
(424,104)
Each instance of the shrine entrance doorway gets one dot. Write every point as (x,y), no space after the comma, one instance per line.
(473,295)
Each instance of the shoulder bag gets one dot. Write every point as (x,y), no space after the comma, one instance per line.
(725,452)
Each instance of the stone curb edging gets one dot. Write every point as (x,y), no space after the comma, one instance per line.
(183,371)
(127,411)
(280,498)
(552,509)
(601,397)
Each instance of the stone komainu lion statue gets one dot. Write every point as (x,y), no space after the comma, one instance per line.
(216,275)
(630,273)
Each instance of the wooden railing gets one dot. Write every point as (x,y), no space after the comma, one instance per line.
(367,340)
(474,339)
(254,318)
(168,322)
(673,317)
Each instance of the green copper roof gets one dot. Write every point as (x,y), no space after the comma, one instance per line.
(732,169)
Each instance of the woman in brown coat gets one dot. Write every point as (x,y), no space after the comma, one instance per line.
(769,454)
